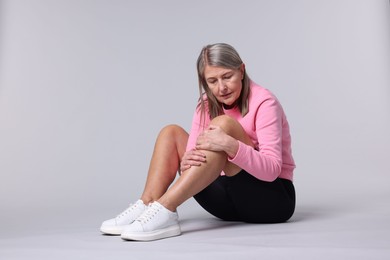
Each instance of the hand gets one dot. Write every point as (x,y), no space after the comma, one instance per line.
(192,158)
(213,138)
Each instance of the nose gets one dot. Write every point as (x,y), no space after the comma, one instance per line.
(222,86)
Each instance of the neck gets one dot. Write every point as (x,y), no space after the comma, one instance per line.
(227,107)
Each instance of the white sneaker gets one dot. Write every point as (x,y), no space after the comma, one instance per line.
(156,222)
(116,225)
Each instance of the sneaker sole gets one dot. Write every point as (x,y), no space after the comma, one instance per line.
(152,235)
(116,231)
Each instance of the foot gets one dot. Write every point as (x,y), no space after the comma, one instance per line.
(116,225)
(156,222)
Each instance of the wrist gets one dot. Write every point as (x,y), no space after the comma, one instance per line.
(232,147)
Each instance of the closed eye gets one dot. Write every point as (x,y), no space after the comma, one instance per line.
(227,76)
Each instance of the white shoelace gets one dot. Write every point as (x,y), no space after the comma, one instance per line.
(127,211)
(149,214)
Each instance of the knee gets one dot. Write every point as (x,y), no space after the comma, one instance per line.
(174,134)
(227,123)
(173,131)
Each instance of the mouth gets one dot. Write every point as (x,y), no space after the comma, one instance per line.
(226,95)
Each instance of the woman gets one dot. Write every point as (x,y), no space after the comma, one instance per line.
(236,162)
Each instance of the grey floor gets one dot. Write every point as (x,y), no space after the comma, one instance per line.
(332,229)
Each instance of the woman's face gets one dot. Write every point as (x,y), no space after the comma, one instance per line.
(225,84)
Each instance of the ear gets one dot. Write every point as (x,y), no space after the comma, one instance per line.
(242,69)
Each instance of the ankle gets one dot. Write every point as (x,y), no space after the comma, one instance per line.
(165,203)
(147,200)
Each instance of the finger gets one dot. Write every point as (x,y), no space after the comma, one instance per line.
(195,161)
(199,158)
(212,127)
(199,154)
(184,168)
(203,147)
(189,164)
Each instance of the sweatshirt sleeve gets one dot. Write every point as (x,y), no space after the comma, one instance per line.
(264,162)
(196,128)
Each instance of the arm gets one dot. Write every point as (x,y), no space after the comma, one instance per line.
(265,163)
(193,157)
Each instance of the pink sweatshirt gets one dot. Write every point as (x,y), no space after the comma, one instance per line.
(267,126)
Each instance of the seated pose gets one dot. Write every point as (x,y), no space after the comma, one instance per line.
(236,161)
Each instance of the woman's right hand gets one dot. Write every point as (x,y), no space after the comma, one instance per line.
(191,158)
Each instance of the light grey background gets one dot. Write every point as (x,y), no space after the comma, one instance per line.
(85,87)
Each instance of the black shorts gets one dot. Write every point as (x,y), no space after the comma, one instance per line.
(246,198)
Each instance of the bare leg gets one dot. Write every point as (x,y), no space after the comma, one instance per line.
(168,150)
(195,179)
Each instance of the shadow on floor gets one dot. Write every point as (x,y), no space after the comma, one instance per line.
(202,224)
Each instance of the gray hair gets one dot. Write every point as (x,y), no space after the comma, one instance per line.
(220,55)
